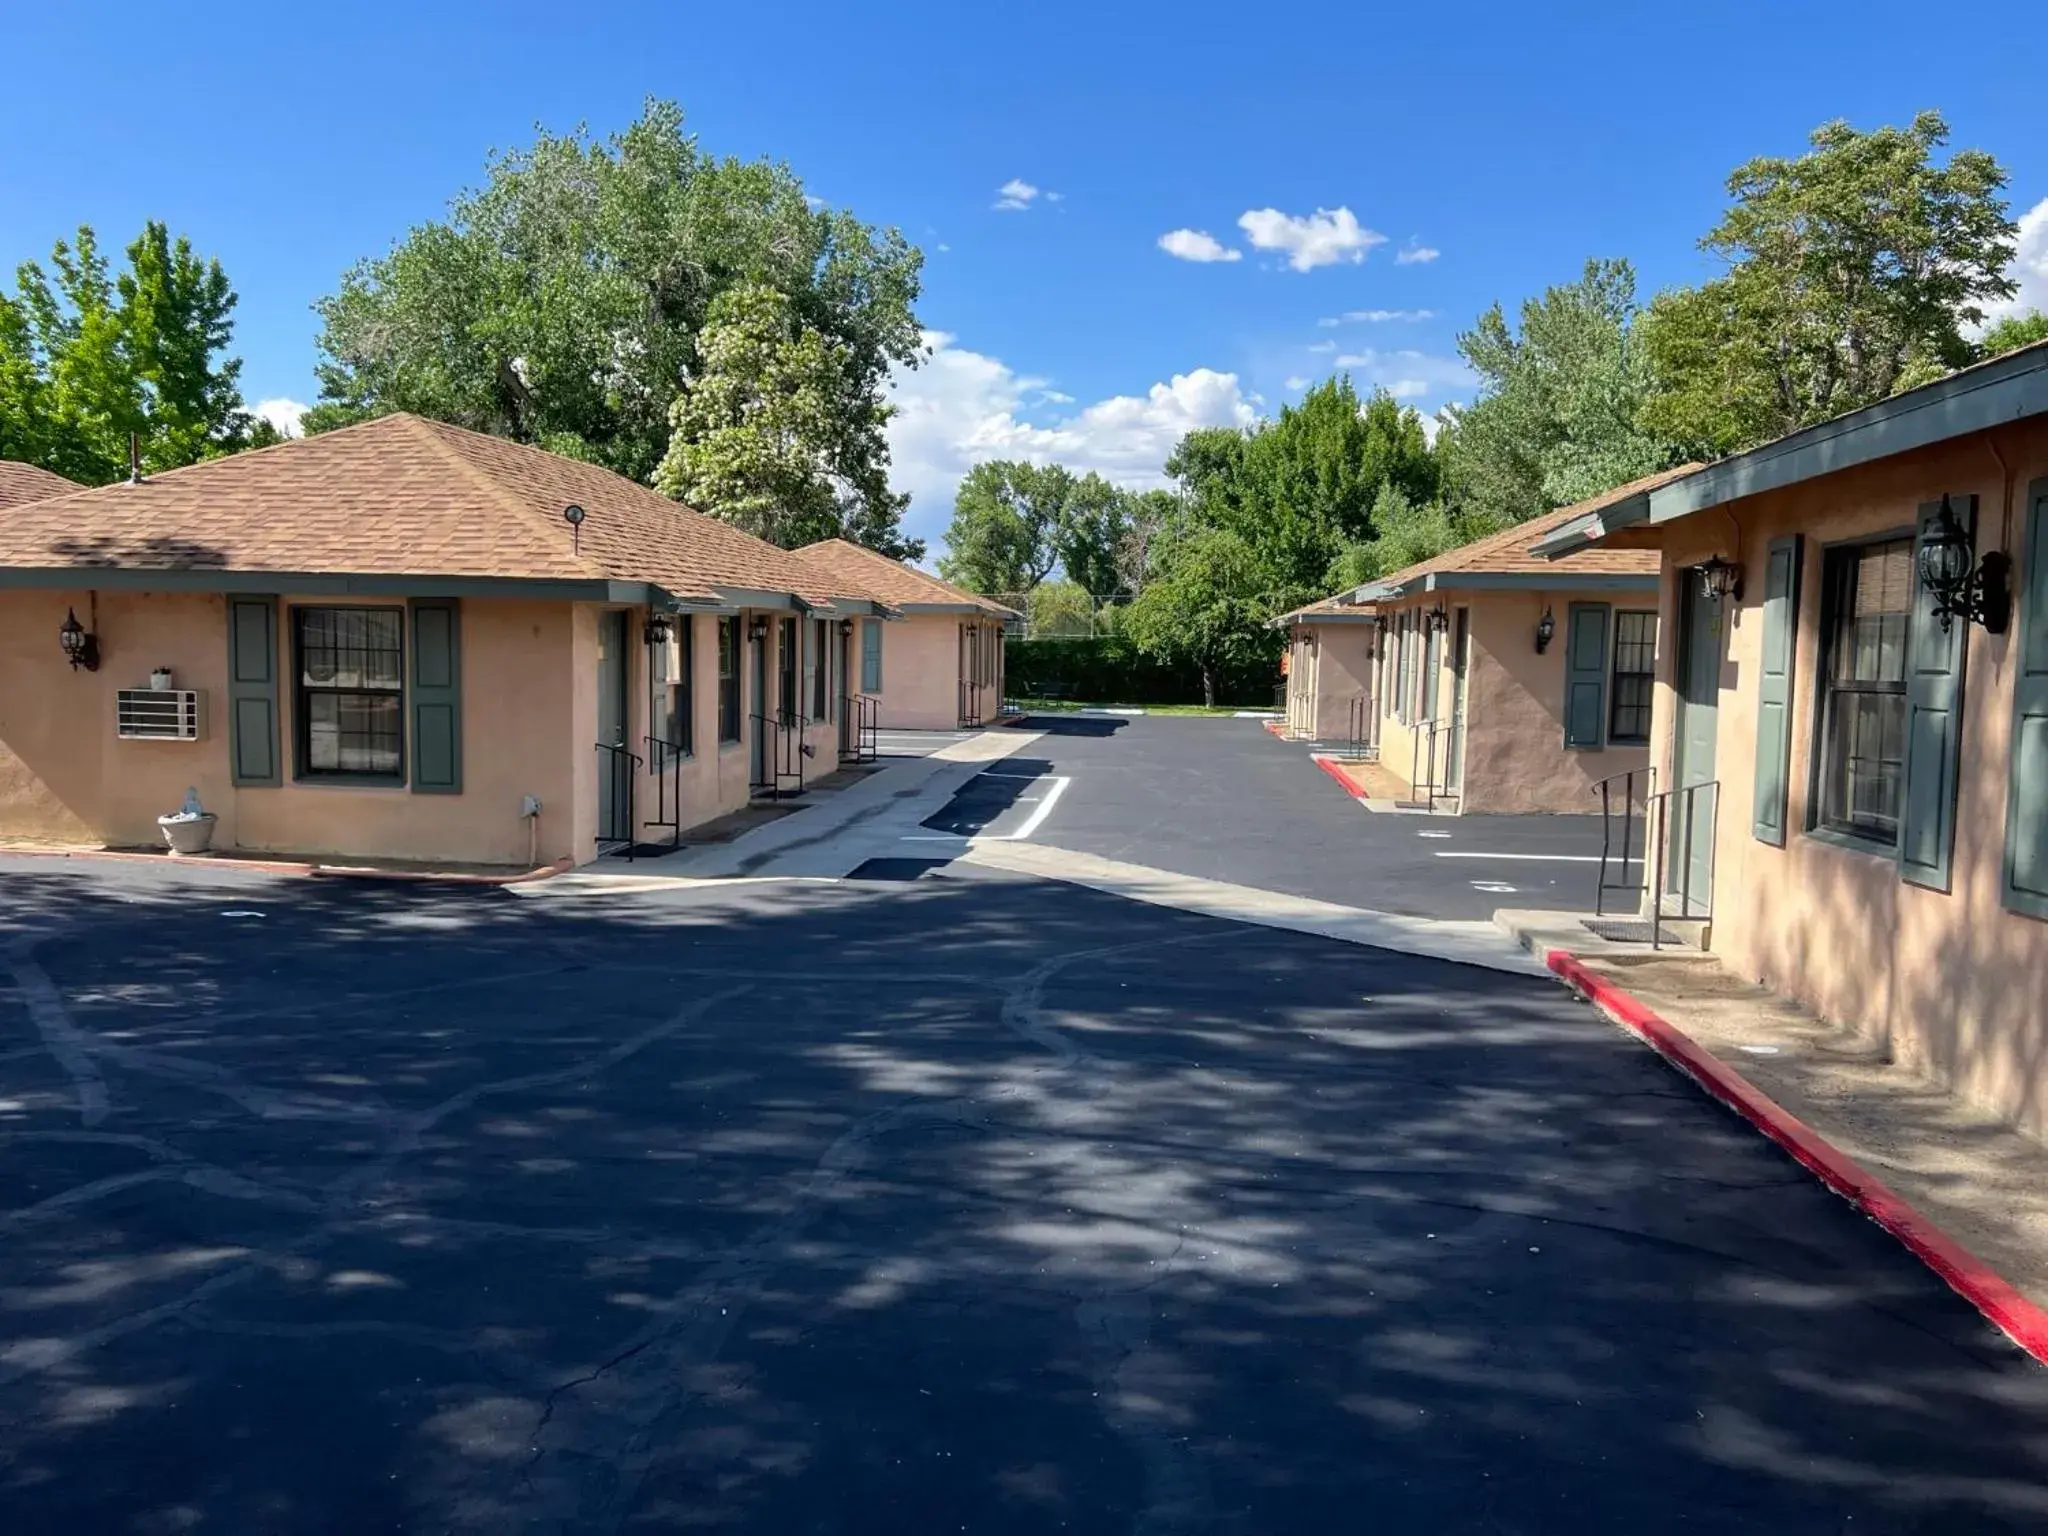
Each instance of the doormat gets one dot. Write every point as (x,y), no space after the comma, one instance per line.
(1620,930)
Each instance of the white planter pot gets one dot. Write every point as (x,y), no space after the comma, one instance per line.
(187,834)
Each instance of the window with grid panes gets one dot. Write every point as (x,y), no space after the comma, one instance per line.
(729,678)
(350,693)
(1635,672)
(1868,603)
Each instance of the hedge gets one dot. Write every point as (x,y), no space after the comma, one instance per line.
(1109,669)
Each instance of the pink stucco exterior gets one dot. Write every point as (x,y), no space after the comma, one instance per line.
(1331,676)
(1954,983)
(529,716)
(939,671)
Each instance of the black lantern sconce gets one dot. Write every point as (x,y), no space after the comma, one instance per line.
(81,646)
(757,629)
(1438,619)
(1721,579)
(1983,596)
(846,629)
(657,628)
(1546,630)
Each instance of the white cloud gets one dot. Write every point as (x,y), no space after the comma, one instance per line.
(1433,424)
(1382,316)
(1319,239)
(1406,373)
(1054,397)
(2029,266)
(1017,194)
(1413,254)
(1197,245)
(1322,346)
(961,407)
(288,416)
(942,246)
(1297,383)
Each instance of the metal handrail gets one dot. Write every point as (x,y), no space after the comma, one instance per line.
(857,725)
(782,754)
(667,759)
(1659,806)
(1605,790)
(970,703)
(1423,754)
(624,767)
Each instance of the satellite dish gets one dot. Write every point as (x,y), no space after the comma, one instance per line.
(573,515)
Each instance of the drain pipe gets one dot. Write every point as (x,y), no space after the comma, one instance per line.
(529,811)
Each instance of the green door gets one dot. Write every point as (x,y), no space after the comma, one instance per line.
(611,727)
(1689,860)
(1461,661)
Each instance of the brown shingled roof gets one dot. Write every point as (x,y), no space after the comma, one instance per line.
(897,584)
(405,496)
(1341,603)
(23,483)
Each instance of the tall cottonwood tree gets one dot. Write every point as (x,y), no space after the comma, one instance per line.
(565,303)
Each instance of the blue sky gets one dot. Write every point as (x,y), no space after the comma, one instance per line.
(1512,141)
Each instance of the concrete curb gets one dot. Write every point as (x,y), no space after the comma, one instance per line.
(169,860)
(1337,773)
(2001,1302)
(561,866)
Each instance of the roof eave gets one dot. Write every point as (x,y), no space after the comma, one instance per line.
(1541,581)
(339,584)
(1992,394)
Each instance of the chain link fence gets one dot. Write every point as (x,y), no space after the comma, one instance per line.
(1062,611)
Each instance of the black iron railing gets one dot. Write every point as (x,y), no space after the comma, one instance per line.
(779,764)
(1634,792)
(1424,785)
(667,759)
(1680,827)
(616,826)
(970,703)
(1361,730)
(857,723)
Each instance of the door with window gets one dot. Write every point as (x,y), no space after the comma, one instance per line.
(613,765)
(1689,857)
(757,649)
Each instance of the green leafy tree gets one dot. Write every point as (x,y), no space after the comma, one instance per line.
(2011,333)
(1006,515)
(1060,607)
(1088,536)
(1854,271)
(1558,414)
(1208,607)
(765,436)
(1405,534)
(89,356)
(1149,517)
(565,303)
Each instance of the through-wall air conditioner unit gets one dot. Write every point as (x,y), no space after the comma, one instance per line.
(157,714)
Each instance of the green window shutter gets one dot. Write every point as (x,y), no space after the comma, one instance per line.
(1934,722)
(436,696)
(2026,807)
(1585,674)
(1774,690)
(252,691)
(871,656)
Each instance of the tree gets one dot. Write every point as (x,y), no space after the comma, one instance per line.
(88,357)
(1059,607)
(1149,516)
(1005,515)
(1854,271)
(2011,333)
(1209,607)
(765,435)
(1089,535)
(1406,534)
(565,304)
(1559,407)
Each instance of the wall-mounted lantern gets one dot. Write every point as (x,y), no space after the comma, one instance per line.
(1721,579)
(1438,619)
(757,628)
(846,629)
(81,646)
(1984,596)
(656,630)
(1546,630)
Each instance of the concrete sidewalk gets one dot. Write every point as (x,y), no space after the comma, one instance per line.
(1978,1180)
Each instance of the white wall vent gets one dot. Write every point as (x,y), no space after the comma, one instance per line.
(157,714)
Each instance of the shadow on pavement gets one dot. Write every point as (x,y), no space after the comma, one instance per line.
(957,1203)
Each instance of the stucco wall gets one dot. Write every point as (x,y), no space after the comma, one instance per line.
(1516,761)
(65,777)
(920,672)
(1327,672)
(1953,983)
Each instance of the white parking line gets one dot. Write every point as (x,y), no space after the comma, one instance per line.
(1540,858)
(1035,820)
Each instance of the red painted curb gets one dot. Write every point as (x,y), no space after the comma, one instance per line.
(1277,727)
(1337,773)
(2021,1320)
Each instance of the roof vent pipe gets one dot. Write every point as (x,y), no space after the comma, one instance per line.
(134,459)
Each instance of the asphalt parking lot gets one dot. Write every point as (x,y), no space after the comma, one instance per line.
(1224,800)
(974,1204)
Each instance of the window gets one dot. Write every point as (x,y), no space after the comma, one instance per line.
(1868,600)
(1635,670)
(669,683)
(350,698)
(729,679)
(871,656)
(814,667)
(787,636)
